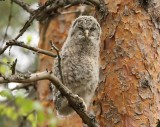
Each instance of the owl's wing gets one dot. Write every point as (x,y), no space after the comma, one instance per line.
(55,71)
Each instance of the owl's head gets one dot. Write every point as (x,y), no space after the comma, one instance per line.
(85,27)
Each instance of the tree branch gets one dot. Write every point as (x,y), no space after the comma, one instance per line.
(37,50)
(75,102)
(25,27)
(13,66)
(24,5)
(59,60)
(24,86)
(9,21)
(3,49)
(43,12)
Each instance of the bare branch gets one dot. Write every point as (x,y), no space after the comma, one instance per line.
(75,102)
(94,2)
(28,23)
(24,86)
(37,50)
(13,67)
(3,49)
(70,12)
(64,4)
(25,27)
(24,5)
(59,60)
(9,21)
(43,12)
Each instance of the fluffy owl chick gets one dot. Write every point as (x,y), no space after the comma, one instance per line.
(79,62)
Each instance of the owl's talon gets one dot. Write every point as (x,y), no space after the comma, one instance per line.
(82,103)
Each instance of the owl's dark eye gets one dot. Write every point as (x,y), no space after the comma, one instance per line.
(81,28)
(93,29)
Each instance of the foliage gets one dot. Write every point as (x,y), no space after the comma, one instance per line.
(20,111)
(5,64)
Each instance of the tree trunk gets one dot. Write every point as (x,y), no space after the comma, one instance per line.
(128,90)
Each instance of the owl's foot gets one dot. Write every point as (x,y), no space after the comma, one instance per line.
(82,104)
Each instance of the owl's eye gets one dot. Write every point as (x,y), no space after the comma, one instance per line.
(81,28)
(93,29)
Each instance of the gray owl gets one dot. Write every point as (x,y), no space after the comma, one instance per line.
(79,62)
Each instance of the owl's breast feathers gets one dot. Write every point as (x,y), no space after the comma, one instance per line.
(79,70)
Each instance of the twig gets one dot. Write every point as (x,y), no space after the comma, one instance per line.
(9,21)
(37,50)
(63,4)
(70,12)
(75,102)
(24,5)
(25,27)
(28,23)
(13,67)
(47,3)
(96,3)
(23,86)
(42,12)
(34,16)
(3,50)
(59,60)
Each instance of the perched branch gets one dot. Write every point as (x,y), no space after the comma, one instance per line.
(37,50)
(75,102)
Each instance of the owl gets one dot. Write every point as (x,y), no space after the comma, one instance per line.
(79,62)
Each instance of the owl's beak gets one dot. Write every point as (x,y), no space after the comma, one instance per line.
(86,33)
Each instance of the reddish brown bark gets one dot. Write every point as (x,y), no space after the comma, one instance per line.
(128,93)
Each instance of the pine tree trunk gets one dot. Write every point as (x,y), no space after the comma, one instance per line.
(128,90)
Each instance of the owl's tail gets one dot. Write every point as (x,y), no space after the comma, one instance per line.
(62,106)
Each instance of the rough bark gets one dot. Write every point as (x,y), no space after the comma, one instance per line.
(128,91)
